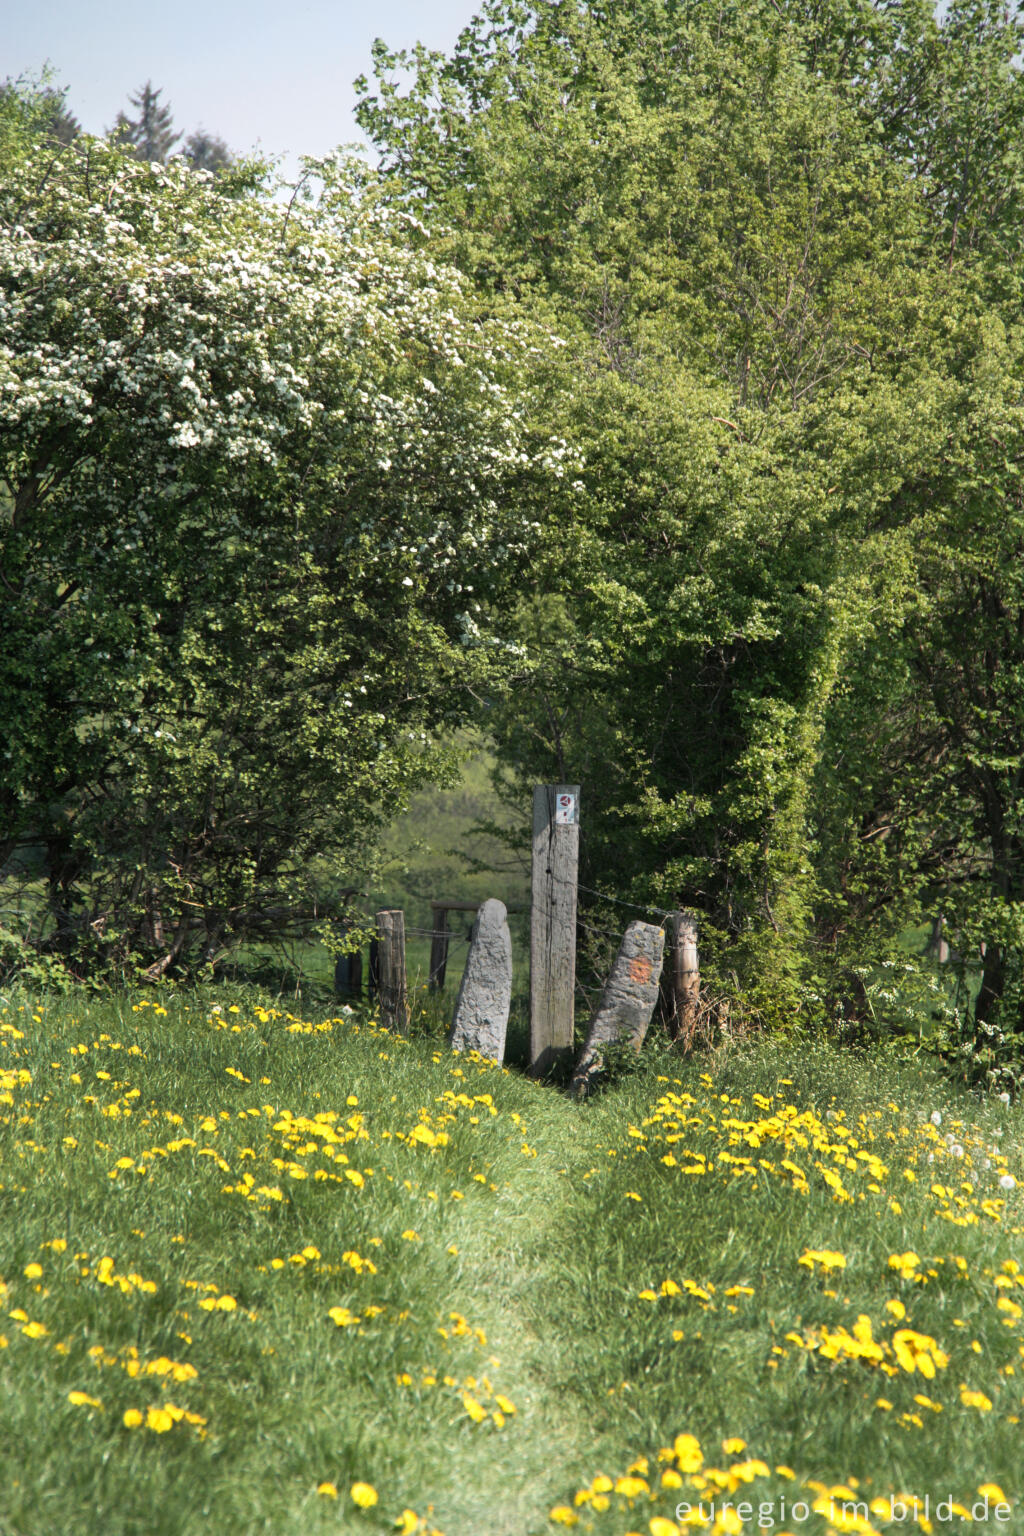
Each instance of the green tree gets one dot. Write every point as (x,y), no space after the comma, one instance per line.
(268,484)
(37,107)
(150,135)
(206,152)
(767,232)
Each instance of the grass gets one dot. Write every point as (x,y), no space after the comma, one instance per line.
(255,1263)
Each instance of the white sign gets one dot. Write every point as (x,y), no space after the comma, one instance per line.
(565,810)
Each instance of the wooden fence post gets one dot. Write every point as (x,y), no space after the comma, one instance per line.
(348,976)
(680,980)
(556,842)
(438,947)
(394,1006)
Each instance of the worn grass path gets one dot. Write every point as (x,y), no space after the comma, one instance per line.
(512,1264)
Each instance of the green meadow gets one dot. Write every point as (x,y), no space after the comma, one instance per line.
(275,1271)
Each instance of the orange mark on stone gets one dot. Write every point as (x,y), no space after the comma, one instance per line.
(640,970)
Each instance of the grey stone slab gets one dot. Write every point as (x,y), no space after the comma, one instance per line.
(480,1020)
(627,1002)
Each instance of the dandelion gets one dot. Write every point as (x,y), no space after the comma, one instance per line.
(363,1494)
(825,1257)
(688,1454)
(327,1490)
(918,1352)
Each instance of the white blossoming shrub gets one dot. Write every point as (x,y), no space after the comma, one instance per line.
(266,485)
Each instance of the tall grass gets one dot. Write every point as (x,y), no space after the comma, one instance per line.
(267,1273)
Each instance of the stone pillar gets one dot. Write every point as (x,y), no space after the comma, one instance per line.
(485,995)
(627,1002)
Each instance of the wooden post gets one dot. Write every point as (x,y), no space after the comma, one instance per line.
(680,989)
(556,842)
(438,947)
(394,1007)
(348,976)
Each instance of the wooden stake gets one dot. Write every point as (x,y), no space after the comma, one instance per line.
(438,948)
(556,842)
(681,978)
(394,1006)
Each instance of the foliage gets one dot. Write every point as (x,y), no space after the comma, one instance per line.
(268,478)
(784,245)
(35,108)
(206,151)
(149,136)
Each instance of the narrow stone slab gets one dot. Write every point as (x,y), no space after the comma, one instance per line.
(627,1002)
(485,995)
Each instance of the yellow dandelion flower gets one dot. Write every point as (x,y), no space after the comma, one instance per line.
(994,1492)
(827,1258)
(132,1418)
(734,1446)
(363,1494)
(473,1408)
(659,1526)
(83,1400)
(563,1515)
(971,1399)
(328,1490)
(32,1271)
(159,1420)
(688,1454)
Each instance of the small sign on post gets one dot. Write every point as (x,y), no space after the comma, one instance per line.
(565,809)
(556,842)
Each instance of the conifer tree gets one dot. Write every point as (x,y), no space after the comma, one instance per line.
(150,136)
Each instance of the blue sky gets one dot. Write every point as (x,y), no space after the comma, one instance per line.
(265,74)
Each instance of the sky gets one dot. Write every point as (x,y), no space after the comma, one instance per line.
(273,75)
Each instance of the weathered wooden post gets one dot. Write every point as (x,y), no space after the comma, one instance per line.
(348,976)
(680,979)
(556,844)
(394,1006)
(438,947)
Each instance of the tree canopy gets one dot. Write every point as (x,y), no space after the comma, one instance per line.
(783,242)
(268,479)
